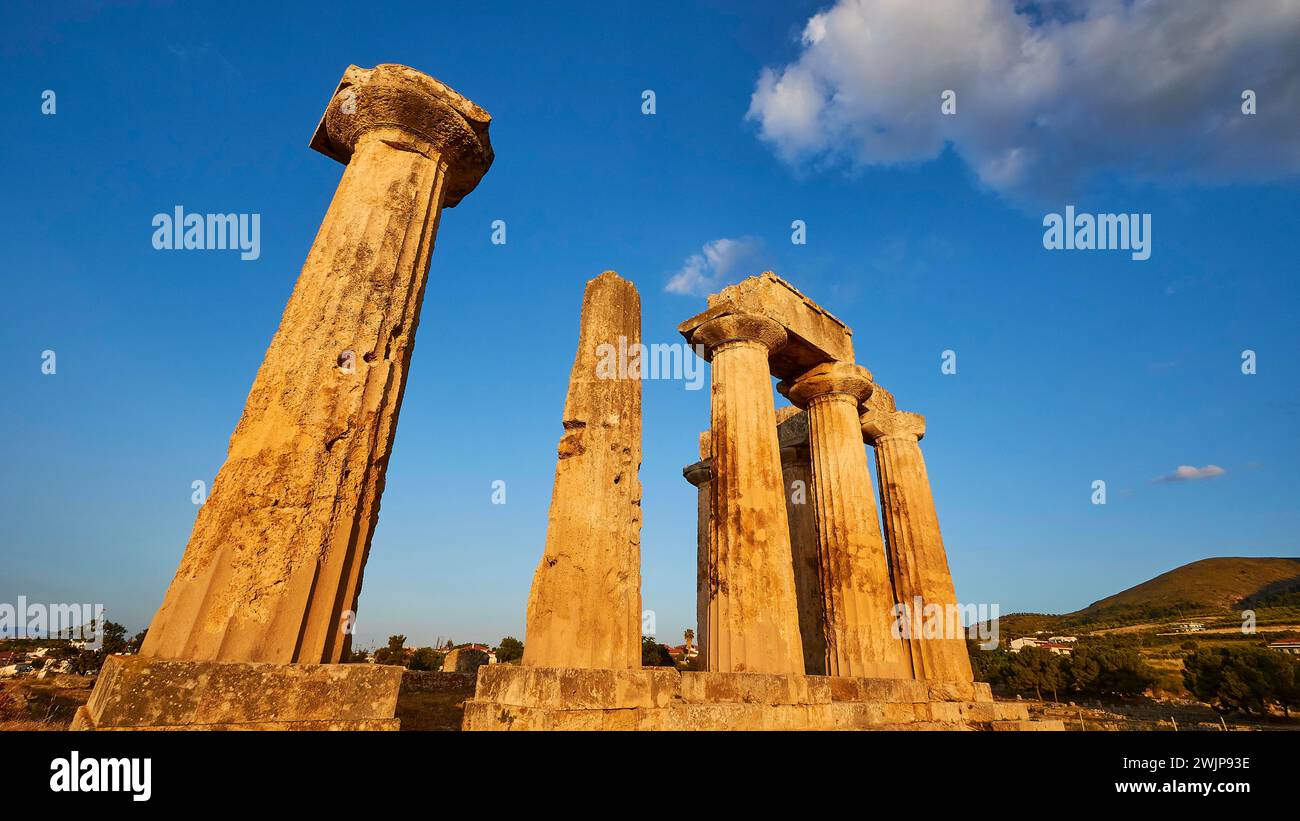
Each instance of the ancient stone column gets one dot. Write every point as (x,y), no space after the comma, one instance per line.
(796,473)
(585,606)
(273,568)
(918,561)
(856,593)
(700,474)
(753,621)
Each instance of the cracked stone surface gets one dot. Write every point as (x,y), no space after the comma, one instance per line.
(584,609)
(272,571)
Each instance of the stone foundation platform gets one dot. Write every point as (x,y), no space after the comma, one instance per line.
(138,693)
(510,697)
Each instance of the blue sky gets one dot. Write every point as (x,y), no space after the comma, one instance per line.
(924,235)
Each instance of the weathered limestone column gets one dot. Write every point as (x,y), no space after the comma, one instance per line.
(857,596)
(796,473)
(585,606)
(273,568)
(700,475)
(753,621)
(918,561)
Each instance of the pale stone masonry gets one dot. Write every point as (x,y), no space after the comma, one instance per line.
(918,561)
(660,698)
(585,606)
(796,478)
(857,597)
(261,607)
(795,591)
(700,474)
(785,587)
(273,568)
(753,623)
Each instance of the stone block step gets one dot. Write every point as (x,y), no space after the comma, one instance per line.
(1049,724)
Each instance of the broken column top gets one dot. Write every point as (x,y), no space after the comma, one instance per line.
(397,96)
(880,417)
(814,335)
(880,399)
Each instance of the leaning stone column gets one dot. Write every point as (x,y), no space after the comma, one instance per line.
(273,568)
(585,606)
(856,593)
(917,557)
(753,623)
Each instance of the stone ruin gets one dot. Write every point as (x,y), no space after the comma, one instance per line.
(797,581)
(795,599)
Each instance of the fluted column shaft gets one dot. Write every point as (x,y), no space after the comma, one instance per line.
(700,475)
(918,560)
(753,623)
(857,596)
(273,568)
(796,468)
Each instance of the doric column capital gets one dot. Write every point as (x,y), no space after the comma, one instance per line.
(731,328)
(432,116)
(699,473)
(880,424)
(853,382)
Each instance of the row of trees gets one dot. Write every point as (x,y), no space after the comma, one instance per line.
(509,651)
(1089,670)
(88,662)
(654,654)
(1243,679)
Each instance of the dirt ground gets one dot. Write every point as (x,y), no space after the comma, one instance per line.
(42,704)
(1153,715)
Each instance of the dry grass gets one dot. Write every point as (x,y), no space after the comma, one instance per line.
(29,704)
(432,711)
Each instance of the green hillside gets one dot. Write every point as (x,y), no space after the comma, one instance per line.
(1209,586)
(1215,584)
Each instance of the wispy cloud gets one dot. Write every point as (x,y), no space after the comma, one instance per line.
(1187,473)
(1048,96)
(718,263)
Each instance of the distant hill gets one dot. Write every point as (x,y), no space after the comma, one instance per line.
(1217,584)
(1207,586)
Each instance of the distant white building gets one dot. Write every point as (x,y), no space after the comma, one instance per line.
(11,670)
(1188,627)
(54,668)
(1059,648)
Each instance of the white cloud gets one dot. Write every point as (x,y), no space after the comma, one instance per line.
(1046,100)
(718,263)
(1187,473)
